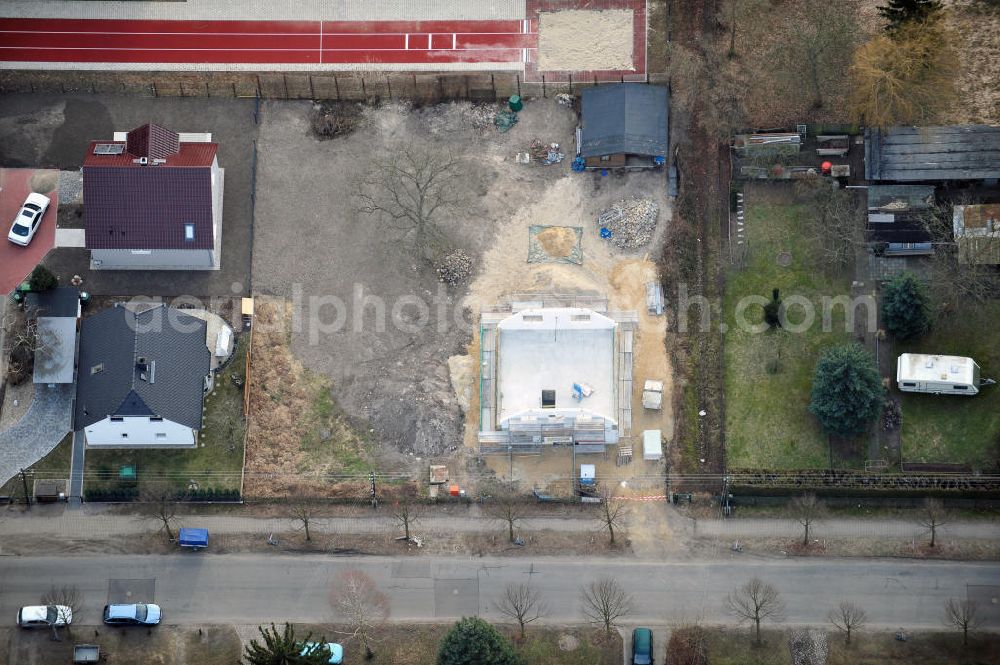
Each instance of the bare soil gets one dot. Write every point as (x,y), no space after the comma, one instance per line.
(607,45)
(558,241)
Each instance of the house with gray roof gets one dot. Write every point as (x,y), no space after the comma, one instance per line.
(141,379)
(624,125)
(153,201)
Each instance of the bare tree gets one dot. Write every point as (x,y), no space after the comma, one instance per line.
(754,602)
(407,514)
(160,502)
(407,188)
(522,604)
(355,597)
(848,617)
(612,512)
(68,601)
(304,512)
(507,508)
(605,602)
(807,510)
(932,516)
(835,230)
(964,615)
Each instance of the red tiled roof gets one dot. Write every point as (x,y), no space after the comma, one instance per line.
(190,154)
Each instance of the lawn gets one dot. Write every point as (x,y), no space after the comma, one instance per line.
(216,463)
(942,428)
(732,647)
(417,644)
(54,465)
(769,375)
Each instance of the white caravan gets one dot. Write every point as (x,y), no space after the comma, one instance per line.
(937,375)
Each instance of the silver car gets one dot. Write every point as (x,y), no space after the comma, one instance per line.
(43,616)
(132,614)
(28,219)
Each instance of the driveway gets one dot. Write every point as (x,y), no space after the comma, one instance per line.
(15,185)
(54,130)
(38,432)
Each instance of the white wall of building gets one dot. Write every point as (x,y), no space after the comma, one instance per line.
(139,432)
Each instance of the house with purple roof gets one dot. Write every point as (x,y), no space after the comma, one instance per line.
(153,201)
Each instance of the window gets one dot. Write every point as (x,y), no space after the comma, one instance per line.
(189,232)
(97,369)
(124,435)
(907,384)
(960,387)
(156,419)
(161,435)
(117,419)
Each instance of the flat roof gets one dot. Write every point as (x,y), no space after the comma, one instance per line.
(56,351)
(927,367)
(953,152)
(551,349)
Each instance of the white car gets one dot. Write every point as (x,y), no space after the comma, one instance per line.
(44,616)
(28,219)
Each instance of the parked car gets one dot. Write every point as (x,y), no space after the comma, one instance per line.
(642,646)
(134,614)
(28,219)
(44,616)
(336,651)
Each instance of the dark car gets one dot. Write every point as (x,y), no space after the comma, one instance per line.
(642,646)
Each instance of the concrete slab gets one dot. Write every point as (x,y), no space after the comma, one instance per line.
(17,262)
(70,238)
(551,349)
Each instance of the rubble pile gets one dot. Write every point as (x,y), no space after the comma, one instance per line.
(454,268)
(630,221)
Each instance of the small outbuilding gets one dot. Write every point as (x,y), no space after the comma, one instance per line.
(624,125)
(57,315)
(937,375)
(652,445)
(977,233)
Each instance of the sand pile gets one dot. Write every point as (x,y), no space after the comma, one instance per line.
(582,40)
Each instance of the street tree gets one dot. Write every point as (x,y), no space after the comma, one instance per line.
(68,600)
(408,189)
(755,602)
(847,393)
(473,641)
(160,503)
(506,508)
(355,597)
(523,604)
(932,516)
(284,648)
(612,513)
(906,79)
(406,513)
(807,510)
(906,307)
(963,615)
(306,514)
(848,617)
(605,602)
(898,12)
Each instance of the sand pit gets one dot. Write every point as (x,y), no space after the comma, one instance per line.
(582,40)
(558,241)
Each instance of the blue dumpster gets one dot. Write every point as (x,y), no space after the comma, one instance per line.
(195,539)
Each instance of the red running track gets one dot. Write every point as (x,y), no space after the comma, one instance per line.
(263,42)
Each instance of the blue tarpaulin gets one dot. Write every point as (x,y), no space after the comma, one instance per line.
(194,538)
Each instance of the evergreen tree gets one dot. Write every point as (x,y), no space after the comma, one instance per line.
(284,648)
(905,307)
(772,310)
(473,641)
(847,393)
(898,12)
(42,279)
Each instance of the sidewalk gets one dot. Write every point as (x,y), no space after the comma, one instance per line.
(93,522)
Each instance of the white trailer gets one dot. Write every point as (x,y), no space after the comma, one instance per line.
(937,375)
(652,445)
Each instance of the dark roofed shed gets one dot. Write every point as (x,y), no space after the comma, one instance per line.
(624,118)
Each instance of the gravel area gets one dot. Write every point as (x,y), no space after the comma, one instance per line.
(70,187)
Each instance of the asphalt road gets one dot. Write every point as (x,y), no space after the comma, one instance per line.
(205,588)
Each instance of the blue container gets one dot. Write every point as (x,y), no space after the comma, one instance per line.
(195,539)
(605,233)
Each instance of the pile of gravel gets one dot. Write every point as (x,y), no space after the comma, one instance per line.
(70,187)
(454,267)
(631,222)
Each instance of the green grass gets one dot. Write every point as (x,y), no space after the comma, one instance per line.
(955,429)
(768,424)
(54,465)
(330,443)
(735,647)
(216,463)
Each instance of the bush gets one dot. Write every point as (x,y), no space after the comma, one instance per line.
(473,641)
(906,307)
(892,415)
(847,393)
(42,279)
